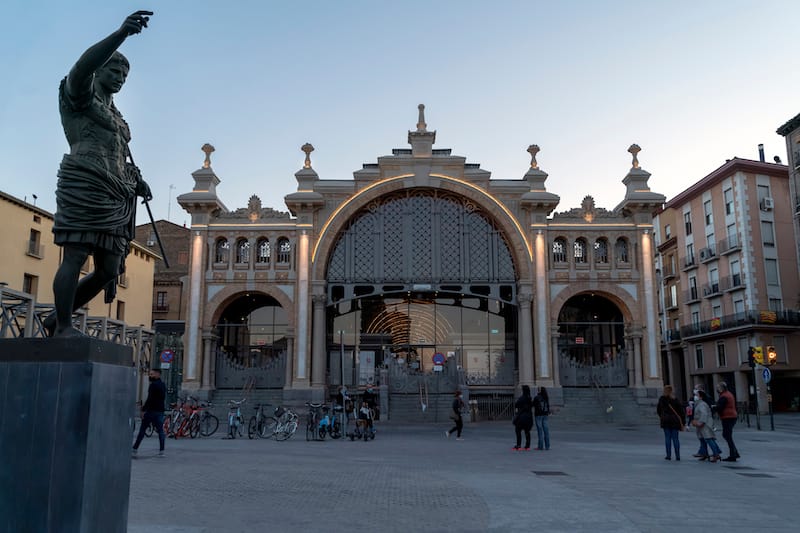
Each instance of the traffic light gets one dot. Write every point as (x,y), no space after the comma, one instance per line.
(750,357)
(772,355)
(758,355)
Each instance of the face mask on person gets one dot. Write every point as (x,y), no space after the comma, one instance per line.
(153,378)
(696,398)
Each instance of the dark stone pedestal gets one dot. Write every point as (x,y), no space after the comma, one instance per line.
(65,437)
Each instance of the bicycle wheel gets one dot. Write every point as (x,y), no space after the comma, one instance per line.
(286,431)
(310,428)
(194,427)
(149,431)
(232,427)
(252,428)
(336,430)
(167,424)
(268,427)
(208,425)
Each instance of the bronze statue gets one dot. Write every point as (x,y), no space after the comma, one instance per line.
(97,181)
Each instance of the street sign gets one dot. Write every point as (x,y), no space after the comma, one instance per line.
(438,358)
(165,366)
(767,375)
(578,340)
(167,356)
(438,368)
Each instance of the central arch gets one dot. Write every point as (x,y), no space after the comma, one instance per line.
(415,273)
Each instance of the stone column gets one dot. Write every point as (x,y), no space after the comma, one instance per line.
(545,369)
(318,345)
(302,360)
(650,321)
(637,359)
(525,339)
(192,356)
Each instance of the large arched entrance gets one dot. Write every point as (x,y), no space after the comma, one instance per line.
(417,276)
(252,343)
(591,343)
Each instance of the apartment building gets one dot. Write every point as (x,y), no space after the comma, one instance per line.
(729,280)
(30,261)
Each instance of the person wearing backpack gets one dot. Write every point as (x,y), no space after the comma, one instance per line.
(669,411)
(541,413)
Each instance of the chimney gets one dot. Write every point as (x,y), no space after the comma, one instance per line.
(761,153)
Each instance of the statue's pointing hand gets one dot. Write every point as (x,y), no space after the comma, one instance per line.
(135,22)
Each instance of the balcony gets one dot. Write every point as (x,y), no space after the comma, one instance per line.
(691,296)
(729,245)
(741,320)
(667,273)
(732,283)
(672,335)
(161,308)
(711,289)
(708,254)
(689,263)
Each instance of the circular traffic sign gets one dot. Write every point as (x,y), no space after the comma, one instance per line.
(767,375)
(167,355)
(438,358)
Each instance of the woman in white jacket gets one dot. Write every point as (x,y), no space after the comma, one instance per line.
(703,422)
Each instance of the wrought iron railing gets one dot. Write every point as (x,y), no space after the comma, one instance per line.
(777,318)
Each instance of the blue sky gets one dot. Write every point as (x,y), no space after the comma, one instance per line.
(693,83)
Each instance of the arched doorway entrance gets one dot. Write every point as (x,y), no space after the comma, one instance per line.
(591,343)
(417,276)
(252,344)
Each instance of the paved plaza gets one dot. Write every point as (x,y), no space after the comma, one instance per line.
(413,479)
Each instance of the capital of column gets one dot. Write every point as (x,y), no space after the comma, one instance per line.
(319,299)
(524,298)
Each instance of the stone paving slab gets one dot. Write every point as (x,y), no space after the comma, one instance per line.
(411,478)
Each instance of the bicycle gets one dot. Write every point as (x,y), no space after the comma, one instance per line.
(235,419)
(208,422)
(286,423)
(312,421)
(261,425)
(331,424)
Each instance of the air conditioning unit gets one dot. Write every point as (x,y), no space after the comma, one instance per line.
(151,243)
(705,253)
(767,204)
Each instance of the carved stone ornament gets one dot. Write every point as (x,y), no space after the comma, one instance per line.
(533,150)
(421,125)
(634,151)
(207,148)
(254,208)
(307,148)
(586,212)
(589,210)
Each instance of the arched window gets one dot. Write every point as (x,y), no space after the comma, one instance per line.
(601,251)
(622,250)
(263,251)
(284,251)
(580,251)
(560,250)
(242,252)
(222,250)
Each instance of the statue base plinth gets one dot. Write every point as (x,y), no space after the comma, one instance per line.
(66,408)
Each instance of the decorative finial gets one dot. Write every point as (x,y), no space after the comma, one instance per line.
(421,126)
(634,150)
(307,148)
(207,148)
(533,150)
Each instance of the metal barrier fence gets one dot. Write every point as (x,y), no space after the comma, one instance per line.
(22,316)
(493,406)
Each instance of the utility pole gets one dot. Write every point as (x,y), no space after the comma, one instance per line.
(169,199)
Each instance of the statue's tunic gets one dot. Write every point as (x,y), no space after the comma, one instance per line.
(95,197)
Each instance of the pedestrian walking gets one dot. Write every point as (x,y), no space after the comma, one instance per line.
(523,418)
(702,421)
(153,412)
(541,412)
(726,409)
(670,411)
(455,415)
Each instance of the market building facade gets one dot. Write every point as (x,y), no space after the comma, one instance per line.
(421,275)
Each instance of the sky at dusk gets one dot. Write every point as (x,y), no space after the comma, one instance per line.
(693,83)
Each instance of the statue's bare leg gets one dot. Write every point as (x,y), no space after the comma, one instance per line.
(65,284)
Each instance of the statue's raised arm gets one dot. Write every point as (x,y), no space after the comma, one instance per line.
(79,80)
